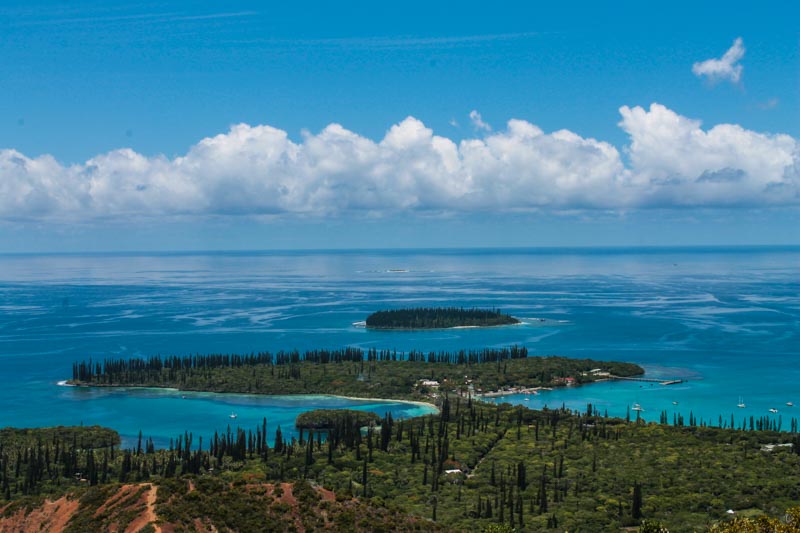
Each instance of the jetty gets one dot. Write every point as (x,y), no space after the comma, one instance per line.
(648,380)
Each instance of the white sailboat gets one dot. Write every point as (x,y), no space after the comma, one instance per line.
(741,404)
(637,407)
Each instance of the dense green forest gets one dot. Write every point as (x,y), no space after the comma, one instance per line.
(438,318)
(330,418)
(469,467)
(350,371)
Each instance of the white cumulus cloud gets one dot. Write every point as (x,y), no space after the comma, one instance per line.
(477,121)
(725,68)
(675,162)
(259,170)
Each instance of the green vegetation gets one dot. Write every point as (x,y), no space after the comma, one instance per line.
(89,437)
(351,372)
(761,524)
(52,460)
(472,466)
(94,513)
(438,318)
(246,505)
(330,418)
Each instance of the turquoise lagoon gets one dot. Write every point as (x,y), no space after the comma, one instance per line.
(725,319)
(160,412)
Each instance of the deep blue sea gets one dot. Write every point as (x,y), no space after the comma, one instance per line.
(726,319)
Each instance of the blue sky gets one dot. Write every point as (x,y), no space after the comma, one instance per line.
(104,107)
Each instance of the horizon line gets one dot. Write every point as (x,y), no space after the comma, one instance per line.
(545,248)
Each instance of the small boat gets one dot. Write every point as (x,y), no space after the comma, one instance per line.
(637,407)
(789,404)
(773,410)
(233,415)
(674,403)
(741,404)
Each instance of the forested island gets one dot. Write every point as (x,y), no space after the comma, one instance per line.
(415,375)
(438,318)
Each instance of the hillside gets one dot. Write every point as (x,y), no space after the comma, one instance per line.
(206,505)
(469,467)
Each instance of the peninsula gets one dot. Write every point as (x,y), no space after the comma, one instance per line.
(416,375)
(438,318)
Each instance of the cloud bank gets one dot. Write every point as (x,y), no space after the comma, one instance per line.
(670,161)
(725,68)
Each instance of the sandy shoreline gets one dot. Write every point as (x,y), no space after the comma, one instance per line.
(65,383)
(392,400)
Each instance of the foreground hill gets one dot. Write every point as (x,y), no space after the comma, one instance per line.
(471,466)
(205,505)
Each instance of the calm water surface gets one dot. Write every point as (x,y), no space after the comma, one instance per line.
(728,320)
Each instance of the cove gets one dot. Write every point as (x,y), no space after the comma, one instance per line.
(696,397)
(163,414)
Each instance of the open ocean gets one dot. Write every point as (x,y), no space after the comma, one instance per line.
(726,319)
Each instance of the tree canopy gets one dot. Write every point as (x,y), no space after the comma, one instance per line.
(438,318)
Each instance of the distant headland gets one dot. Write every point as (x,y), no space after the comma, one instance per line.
(438,318)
